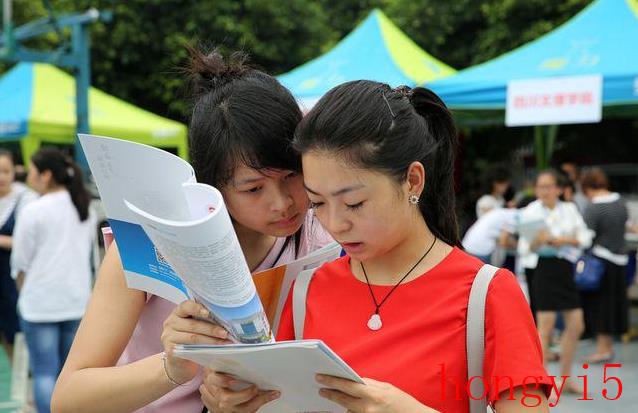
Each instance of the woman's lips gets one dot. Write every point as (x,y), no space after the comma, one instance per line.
(352,247)
(287,222)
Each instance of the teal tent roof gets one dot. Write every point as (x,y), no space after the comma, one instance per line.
(601,39)
(375,50)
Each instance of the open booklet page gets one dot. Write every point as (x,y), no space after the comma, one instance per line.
(174,235)
(288,366)
(273,285)
(530,228)
(123,170)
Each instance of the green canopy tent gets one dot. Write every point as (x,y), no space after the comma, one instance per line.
(37,106)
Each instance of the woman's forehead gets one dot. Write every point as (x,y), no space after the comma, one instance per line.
(546,178)
(5,161)
(246,173)
(327,176)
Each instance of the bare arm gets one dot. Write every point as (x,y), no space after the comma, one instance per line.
(89,380)
(562,241)
(507,240)
(6,242)
(20,280)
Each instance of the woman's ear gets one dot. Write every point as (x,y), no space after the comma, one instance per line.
(415,179)
(46,178)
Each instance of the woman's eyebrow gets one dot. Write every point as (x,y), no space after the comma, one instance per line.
(339,192)
(248,181)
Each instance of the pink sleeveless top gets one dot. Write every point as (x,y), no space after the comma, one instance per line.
(145,340)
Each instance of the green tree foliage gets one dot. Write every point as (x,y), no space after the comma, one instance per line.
(463,33)
(137,56)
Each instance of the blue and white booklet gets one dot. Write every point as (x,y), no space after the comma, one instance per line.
(174,235)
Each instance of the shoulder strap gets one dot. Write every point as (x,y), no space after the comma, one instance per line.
(475,335)
(299,293)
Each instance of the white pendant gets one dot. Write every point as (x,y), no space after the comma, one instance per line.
(374,323)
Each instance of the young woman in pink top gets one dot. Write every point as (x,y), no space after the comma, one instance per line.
(241,131)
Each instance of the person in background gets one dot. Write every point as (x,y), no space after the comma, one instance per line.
(557,244)
(497,184)
(525,262)
(20,173)
(51,264)
(568,193)
(13,196)
(572,171)
(607,309)
(485,235)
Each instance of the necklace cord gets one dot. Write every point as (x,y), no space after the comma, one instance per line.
(378,305)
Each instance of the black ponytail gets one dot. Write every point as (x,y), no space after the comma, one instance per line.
(67,173)
(385,129)
(439,203)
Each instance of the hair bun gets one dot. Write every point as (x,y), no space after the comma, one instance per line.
(404,91)
(210,70)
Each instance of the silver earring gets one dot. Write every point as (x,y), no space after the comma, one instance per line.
(413,199)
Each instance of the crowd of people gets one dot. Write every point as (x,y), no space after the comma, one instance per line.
(388,200)
(568,216)
(47,233)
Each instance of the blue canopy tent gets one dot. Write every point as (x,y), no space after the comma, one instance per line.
(602,39)
(375,50)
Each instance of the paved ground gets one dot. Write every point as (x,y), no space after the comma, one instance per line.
(627,355)
(5,376)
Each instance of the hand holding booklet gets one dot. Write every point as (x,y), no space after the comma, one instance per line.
(176,239)
(287,366)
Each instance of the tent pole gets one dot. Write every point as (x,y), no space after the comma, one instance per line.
(539,147)
(80,43)
(544,142)
(552,132)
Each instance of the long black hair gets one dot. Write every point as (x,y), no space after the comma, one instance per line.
(64,172)
(376,127)
(240,116)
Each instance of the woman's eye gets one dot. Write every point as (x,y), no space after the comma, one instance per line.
(355,206)
(315,205)
(254,190)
